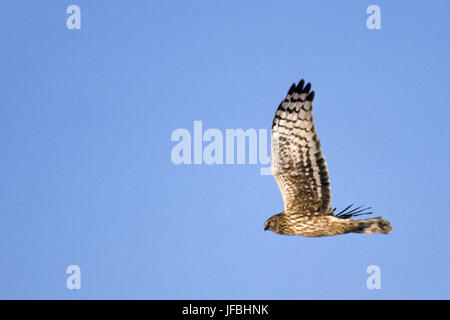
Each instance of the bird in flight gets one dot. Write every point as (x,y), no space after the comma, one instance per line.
(301,172)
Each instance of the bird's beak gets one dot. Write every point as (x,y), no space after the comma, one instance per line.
(266,228)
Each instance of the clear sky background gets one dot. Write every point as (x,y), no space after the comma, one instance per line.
(86,176)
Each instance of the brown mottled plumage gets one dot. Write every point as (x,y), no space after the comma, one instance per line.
(302,175)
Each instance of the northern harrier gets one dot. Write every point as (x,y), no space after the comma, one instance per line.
(302,176)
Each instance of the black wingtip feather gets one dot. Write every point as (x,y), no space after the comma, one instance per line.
(344,214)
(300,85)
(291,89)
(307,88)
(310,96)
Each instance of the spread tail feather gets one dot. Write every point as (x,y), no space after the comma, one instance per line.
(374,225)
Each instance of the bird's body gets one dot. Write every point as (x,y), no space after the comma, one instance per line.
(325,225)
(301,172)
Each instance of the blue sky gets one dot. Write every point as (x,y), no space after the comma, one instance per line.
(86,118)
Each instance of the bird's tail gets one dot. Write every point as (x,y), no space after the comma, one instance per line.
(374,225)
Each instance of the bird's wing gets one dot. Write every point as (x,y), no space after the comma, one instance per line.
(297,162)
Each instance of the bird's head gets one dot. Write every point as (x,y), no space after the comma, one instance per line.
(273,223)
